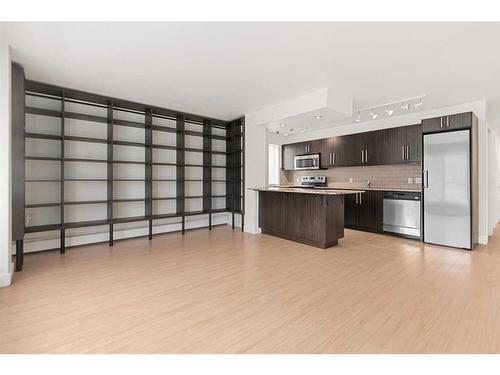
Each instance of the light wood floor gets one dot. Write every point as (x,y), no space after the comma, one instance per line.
(228,292)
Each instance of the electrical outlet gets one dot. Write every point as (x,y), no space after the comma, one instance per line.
(29,218)
(410,180)
(418,180)
(350,180)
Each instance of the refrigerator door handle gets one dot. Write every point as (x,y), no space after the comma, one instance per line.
(426,179)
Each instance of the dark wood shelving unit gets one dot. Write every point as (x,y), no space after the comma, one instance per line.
(231,133)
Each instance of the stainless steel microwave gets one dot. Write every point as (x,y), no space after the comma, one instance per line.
(309,161)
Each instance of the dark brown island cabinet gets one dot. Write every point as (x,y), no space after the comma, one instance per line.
(309,217)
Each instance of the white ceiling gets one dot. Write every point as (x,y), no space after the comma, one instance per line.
(225,70)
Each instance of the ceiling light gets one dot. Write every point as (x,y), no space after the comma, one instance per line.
(282,125)
(374,115)
(302,130)
(389,111)
(317,117)
(358,117)
(285,134)
(419,103)
(405,105)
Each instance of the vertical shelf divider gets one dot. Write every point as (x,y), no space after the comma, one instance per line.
(180,170)
(61,214)
(207,170)
(149,170)
(242,159)
(109,173)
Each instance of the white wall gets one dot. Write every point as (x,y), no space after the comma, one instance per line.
(256,165)
(5,209)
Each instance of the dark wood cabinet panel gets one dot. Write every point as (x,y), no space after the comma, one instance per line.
(364,211)
(460,121)
(392,145)
(344,151)
(370,212)
(450,122)
(310,218)
(414,141)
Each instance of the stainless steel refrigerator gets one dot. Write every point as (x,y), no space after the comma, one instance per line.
(447,197)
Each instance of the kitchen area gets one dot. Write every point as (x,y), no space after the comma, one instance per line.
(417,181)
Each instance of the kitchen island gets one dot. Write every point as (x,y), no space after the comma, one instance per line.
(314,216)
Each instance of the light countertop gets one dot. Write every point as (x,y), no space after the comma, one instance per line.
(359,189)
(320,191)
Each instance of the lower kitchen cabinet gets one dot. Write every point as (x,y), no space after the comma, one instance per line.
(364,211)
(313,219)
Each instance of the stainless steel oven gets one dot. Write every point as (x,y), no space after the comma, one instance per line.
(309,161)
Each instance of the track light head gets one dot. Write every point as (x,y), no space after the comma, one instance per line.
(418,104)
(373,114)
(389,111)
(405,105)
(358,117)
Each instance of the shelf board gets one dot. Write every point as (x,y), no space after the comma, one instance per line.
(128,180)
(125,200)
(132,124)
(42,136)
(42,158)
(166,216)
(38,205)
(84,139)
(81,160)
(128,143)
(42,228)
(85,202)
(85,117)
(43,112)
(41,180)
(128,162)
(81,224)
(130,219)
(164,198)
(87,179)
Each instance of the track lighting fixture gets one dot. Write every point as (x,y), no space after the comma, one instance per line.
(282,125)
(317,117)
(390,108)
(418,104)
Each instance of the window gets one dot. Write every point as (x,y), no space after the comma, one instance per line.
(274,164)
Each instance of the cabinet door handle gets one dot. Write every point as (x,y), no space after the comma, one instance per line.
(356,198)
(366,157)
(447,121)
(441,122)
(333,158)
(360,198)
(407,152)
(402,152)
(362,156)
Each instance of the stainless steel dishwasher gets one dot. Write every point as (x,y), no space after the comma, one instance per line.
(402,213)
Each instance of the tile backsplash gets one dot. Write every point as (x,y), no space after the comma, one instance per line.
(380,176)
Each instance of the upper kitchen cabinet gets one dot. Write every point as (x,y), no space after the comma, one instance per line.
(366,149)
(400,145)
(414,143)
(343,150)
(450,122)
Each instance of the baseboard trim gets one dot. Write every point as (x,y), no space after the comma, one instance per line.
(483,240)
(5,279)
